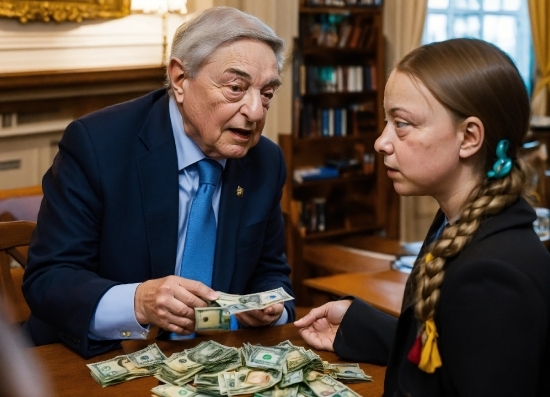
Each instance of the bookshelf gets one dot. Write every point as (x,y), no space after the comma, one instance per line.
(337,184)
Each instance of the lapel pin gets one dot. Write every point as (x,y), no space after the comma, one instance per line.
(240,191)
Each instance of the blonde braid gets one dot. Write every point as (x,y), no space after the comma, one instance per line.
(489,199)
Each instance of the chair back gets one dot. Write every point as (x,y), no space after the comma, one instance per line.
(20,204)
(15,237)
(535,154)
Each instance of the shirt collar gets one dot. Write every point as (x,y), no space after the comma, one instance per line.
(187,151)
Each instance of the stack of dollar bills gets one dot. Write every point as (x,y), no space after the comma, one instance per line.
(212,369)
(216,315)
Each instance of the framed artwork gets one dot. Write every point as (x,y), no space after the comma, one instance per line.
(63,10)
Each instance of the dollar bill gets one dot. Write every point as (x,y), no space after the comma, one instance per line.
(216,316)
(349,372)
(326,386)
(278,391)
(117,370)
(174,391)
(151,355)
(247,380)
(211,318)
(292,378)
(258,356)
(259,300)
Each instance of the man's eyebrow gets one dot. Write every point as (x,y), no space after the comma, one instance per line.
(275,82)
(240,73)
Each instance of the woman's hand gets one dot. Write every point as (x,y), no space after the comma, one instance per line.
(319,326)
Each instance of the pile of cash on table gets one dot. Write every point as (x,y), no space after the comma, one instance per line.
(211,369)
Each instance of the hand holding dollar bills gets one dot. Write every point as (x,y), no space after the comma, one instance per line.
(216,315)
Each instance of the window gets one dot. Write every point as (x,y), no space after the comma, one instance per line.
(504,23)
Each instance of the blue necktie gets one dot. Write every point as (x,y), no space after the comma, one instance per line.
(200,242)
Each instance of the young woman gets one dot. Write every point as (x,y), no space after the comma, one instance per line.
(476,312)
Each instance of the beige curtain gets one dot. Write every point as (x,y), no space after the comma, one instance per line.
(282,16)
(539,11)
(403,28)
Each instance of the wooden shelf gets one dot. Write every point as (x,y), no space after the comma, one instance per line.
(346,10)
(327,210)
(344,231)
(342,179)
(59,79)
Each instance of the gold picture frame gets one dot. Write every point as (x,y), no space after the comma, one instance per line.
(63,10)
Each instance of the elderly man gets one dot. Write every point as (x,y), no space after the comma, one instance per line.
(118,245)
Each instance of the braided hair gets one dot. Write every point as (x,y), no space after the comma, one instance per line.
(470,77)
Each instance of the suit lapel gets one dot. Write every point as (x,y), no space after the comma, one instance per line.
(236,174)
(158,174)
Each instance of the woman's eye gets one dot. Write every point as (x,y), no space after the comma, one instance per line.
(236,88)
(401,124)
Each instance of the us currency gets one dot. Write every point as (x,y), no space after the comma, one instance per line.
(326,386)
(212,318)
(298,357)
(178,391)
(216,316)
(257,356)
(349,372)
(247,380)
(292,378)
(211,369)
(174,391)
(258,300)
(127,367)
(278,391)
(207,356)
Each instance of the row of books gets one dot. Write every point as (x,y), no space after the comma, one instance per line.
(313,215)
(316,121)
(323,122)
(338,31)
(342,3)
(321,79)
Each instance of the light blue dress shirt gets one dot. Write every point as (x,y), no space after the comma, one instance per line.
(114,317)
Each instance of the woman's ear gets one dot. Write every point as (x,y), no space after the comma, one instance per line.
(473,134)
(176,75)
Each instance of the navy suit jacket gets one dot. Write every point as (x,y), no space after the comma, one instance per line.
(110,216)
(493,319)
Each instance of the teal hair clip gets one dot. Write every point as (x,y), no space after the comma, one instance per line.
(503,165)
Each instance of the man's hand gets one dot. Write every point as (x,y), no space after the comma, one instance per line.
(169,302)
(258,318)
(319,326)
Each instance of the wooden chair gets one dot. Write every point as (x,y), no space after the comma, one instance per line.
(535,154)
(20,203)
(14,236)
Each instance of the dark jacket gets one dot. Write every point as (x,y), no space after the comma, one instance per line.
(493,319)
(110,216)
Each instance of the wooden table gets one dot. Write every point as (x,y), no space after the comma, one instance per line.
(71,377)
(383,290)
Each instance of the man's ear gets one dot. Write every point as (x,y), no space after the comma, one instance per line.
(473,134)
(176,74)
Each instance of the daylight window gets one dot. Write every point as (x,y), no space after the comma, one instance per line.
(504,23)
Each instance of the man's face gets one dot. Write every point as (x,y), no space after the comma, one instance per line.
(224,107)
